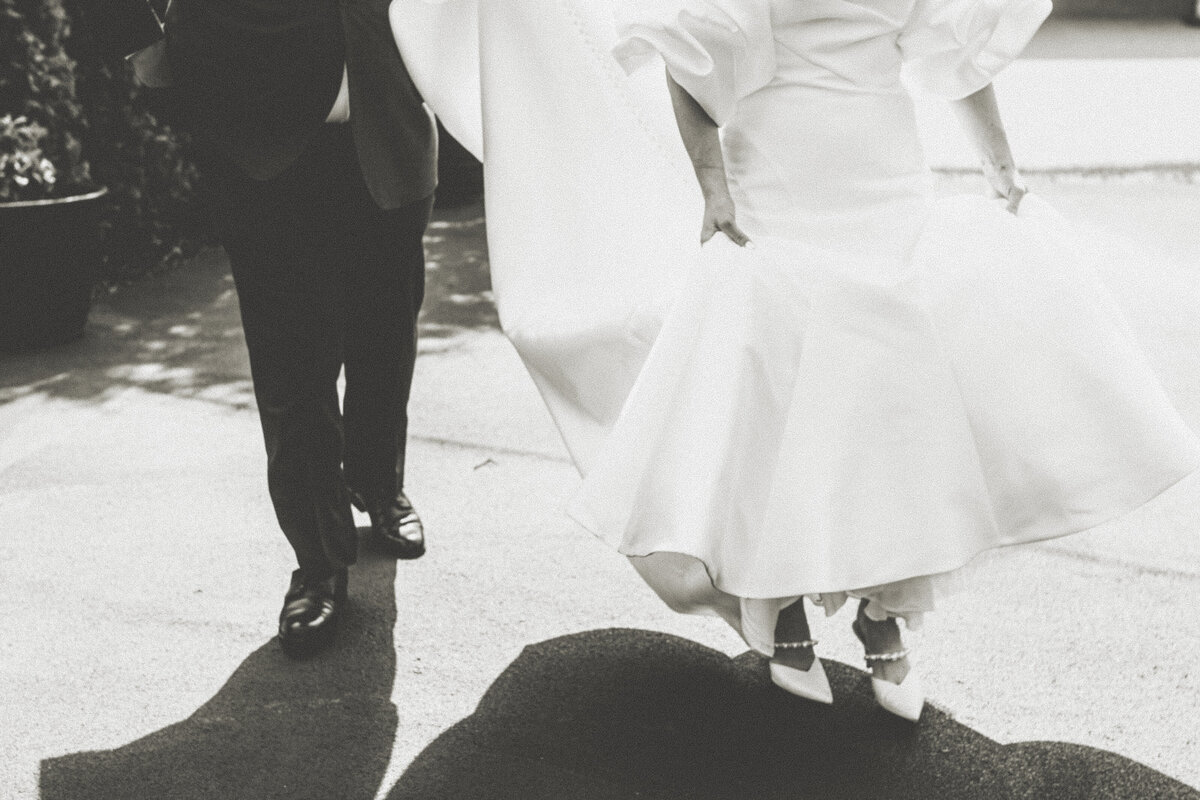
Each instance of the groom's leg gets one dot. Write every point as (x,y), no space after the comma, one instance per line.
(278,244)
(385,284)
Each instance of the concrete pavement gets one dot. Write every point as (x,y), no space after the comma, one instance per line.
(143,572)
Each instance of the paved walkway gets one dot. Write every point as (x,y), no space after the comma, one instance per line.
(521,658)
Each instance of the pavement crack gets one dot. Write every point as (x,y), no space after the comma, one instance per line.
(1119,563)
(491,448)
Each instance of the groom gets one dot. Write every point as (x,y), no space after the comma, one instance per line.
(321,162)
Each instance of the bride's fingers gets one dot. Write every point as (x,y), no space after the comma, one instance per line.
(727,227)
(1015,196)
(1012,194)
(735,234)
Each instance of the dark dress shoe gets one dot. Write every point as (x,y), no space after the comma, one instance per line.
(395,526)
(311,613)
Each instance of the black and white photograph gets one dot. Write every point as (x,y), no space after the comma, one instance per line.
(600,399)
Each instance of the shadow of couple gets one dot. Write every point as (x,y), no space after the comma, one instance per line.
(614,713)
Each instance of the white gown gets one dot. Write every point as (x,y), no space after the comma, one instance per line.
(886,386)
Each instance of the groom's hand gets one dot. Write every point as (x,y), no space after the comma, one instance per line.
(719,216)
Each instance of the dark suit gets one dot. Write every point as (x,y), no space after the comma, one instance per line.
(261,75)
(323,224)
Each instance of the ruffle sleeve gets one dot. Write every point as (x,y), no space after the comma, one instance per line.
(720,51)
(955,47)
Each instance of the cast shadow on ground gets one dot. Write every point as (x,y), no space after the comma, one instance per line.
(458,282)
(618,714)
(180,332)
(321,728)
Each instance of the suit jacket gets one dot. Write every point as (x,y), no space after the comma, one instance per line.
(256,79)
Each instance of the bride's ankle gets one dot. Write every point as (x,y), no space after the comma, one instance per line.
(799,654)
(793,641)
(883,646)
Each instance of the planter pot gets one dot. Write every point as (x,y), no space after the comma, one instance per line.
(48,258)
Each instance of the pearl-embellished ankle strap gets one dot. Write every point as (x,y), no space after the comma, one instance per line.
(796,645)
(893,656)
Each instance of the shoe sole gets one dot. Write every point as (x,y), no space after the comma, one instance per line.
(398,553)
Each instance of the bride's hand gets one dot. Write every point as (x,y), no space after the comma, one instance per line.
(719,216)
(1006,184)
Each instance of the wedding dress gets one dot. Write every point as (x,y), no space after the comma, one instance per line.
(886,386)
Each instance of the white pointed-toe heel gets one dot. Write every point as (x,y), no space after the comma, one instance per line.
(811,684)
(904,699)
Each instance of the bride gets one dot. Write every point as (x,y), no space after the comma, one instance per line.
(851,388)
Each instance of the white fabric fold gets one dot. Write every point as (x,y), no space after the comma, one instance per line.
(720,51)
(953,48)
(592,207)
(439,41)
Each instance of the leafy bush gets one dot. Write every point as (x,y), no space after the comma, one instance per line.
(25,171)
(37,86)
(145,163)
(77,101)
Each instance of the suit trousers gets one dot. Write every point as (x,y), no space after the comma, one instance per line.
(325,279)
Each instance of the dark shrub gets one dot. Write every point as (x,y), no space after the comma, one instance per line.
(53,75)
(154,213)
(37,83)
